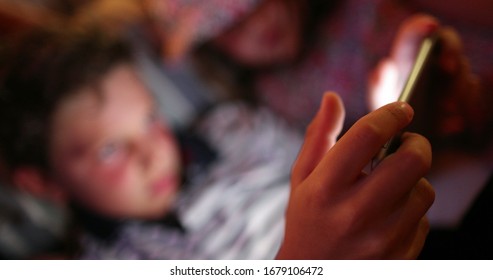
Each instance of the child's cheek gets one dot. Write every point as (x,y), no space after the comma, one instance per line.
(117,176)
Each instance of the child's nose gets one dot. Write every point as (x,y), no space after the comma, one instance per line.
(149,152)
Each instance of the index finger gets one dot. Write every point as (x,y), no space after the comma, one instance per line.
(343,164)
(451,51)
(320,135)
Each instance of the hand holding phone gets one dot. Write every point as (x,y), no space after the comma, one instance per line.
(413,90)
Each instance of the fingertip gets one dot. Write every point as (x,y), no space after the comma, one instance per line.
(335,108)
(331,101)
(331,110)
(451,38)
(406,109)
(417,152)
(423,23)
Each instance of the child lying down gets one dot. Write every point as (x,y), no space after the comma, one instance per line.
(80,127)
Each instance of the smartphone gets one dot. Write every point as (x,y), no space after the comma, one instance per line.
(413,90)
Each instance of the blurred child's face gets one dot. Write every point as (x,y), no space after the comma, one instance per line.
(111,153)
(271,35)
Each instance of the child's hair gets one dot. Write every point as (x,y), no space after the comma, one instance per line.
(38,71)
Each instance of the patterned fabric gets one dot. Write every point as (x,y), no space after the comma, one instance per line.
(29,227)
(233,211)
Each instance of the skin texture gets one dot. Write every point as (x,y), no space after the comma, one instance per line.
(338,212)
(111,153)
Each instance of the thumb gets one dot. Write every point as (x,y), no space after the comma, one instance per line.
(408,39)
(320,136)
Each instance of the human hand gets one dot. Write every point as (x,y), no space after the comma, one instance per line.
(453,95)
(336,211)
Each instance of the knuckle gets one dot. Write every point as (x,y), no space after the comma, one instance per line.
(418,156)
(425,225)
(425,193)
(347,220)
(311,129)
(370,133)
(380,246)
(420,161)
(397,114)
(350,218)
(315,194)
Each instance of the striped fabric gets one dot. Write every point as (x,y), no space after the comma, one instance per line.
(236,210)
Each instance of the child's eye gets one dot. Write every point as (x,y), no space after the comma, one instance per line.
(109,151)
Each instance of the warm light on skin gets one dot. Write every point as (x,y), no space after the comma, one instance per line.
(460,110)
(111,153)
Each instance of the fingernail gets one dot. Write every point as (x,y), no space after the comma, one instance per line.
(406,109)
